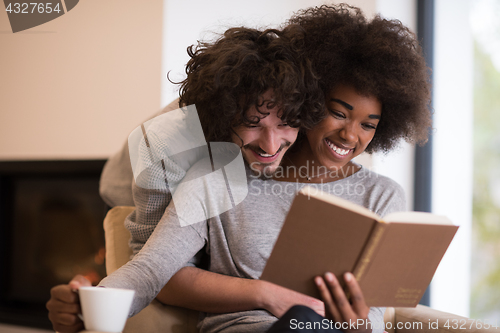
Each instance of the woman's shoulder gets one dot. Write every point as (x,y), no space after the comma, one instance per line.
(374,179)
(381,194)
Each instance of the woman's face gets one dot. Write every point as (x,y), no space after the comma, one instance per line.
(347,130)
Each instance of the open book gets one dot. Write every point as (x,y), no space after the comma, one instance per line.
(393,259)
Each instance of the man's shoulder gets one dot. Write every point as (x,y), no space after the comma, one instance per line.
(174,105)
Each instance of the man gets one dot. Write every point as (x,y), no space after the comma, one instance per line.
(250,88)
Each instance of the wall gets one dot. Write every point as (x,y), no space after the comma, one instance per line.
(399,164)
(76,86)
(183,26)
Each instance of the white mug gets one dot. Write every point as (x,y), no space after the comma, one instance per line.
(105,309)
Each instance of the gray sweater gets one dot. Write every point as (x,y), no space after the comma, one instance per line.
(240,241)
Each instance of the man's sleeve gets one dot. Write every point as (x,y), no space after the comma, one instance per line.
(169,248)
(150,206)
(115,185)
(118,188)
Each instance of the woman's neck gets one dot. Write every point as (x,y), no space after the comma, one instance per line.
(302,167)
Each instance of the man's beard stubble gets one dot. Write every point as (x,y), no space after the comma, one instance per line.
(268,169)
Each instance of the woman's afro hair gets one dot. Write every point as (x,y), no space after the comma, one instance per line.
(377,57)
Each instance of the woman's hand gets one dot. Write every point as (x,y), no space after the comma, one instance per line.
(278,300)
(337,305)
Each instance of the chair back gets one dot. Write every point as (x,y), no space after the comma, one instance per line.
(117,237)
(156,317)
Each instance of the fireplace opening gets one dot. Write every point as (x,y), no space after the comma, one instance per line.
(51,219)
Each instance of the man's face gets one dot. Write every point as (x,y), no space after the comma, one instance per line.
(265,142)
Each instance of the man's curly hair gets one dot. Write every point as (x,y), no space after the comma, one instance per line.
(227,77)
(377,57)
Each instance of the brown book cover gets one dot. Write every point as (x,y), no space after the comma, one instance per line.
(393,259)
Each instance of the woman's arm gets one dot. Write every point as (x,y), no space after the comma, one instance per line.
(206,291)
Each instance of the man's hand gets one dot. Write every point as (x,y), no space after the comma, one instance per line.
(64,306)
(278,300)
(337,305)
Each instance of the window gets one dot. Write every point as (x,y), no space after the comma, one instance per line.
(485,268)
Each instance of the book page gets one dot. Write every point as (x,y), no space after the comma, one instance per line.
(416,217)
(334,200)
(404,262)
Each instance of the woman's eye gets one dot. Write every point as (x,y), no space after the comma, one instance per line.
(337,114)
(370,126)
(284,125)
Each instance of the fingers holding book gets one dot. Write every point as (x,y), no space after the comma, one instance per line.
(337,305)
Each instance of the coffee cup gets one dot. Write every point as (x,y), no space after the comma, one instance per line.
(105,309)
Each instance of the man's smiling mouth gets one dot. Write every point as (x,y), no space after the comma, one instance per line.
(269,155)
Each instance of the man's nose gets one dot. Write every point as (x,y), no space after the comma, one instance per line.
(269,141)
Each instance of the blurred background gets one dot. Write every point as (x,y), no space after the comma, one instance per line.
(72,89)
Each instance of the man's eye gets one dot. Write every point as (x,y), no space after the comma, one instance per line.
(284,125)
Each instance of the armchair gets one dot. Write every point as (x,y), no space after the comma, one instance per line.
(156,317)
(159,318)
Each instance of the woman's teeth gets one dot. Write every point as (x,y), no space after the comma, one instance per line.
(338,150)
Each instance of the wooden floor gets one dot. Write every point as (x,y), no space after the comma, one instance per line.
(4,328)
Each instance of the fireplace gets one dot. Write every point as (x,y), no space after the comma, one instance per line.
(50,230)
